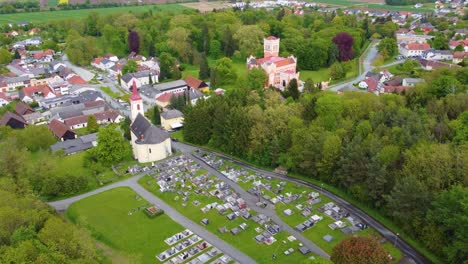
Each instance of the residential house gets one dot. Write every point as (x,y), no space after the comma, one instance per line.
(194,83)
(72,99)
(369,84)
(172,119)
(43,56)
(164,100)
(14,83)
(61,131)
(73,146)
(195,95)
(461,32)
(4,100)
(75,79)
(13,120)
(410,37)
(459,56)
(141,78)
(151,93)
(463,43)
(23,109)
(55,65)
(34,31)
(413,49)
(33,93)
(33,118)
(433,54)
(430,65)
(105,117)
(411,82)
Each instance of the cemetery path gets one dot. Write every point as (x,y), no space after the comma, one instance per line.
(251,201)
(407,250)
(168,210)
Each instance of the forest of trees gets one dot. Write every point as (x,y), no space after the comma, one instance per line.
(188,37)
(406,155)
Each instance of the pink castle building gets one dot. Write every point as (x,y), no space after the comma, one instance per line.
(279,70)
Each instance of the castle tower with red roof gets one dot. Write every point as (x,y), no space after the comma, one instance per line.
(136,103)
(271,46)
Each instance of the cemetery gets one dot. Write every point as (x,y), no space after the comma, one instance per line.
(183,184)
(315,216)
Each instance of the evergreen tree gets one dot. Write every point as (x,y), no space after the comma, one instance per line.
(134,42)
(204,72)
(292,90)
(92,125)
(156,115)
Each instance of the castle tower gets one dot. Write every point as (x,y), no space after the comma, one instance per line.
(271,46)
(136,103)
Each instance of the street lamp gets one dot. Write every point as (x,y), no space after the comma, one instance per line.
(396,239)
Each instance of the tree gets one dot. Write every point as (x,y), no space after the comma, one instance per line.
(178,39)
(125,127)
(440,42)
(5,56)
(337,71)
(92,124)
(388,46)
(249,39)
(134,42)
(448,217)
(16,55)
(130,67)
(309,86)
(204,72)
(223,72)
(333,54)
(292,90)
(167,66)
(444,85)
(312,55)
(359,250)
(256,79)
(156,118)
(344,42)
(111,148)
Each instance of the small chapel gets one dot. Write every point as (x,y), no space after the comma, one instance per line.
(149,142)
(279,70)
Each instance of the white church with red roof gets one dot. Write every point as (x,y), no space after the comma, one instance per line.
(279,70)
(149,142)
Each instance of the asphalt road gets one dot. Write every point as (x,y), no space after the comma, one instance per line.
(367,66)
(406,249)
(168,210)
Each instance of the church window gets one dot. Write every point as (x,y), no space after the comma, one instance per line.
(138,107)
(149,150)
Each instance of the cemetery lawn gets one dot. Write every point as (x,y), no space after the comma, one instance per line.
(244,241)
(320,229)
(106,216)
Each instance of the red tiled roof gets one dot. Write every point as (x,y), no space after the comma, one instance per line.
(76,80)
(98,60)
(22,108)
(9,115)
(371,84)
(135,95)
(167,96)
(460,54)
(456,43)
(418,46)
(272,38)
(44,89)
(195,83)
(101,116)
(398,89)
(94,103)
(4,97)
(58,128)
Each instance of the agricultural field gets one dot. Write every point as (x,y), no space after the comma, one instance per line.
(134,236)
(206,6)
(45,16)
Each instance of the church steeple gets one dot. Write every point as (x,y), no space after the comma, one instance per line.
(136,103)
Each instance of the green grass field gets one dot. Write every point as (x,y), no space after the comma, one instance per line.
(46,16)
(136,236)
(244,241)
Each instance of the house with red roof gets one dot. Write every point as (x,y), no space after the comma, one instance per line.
(13,120)
(279,70)
(75,79)
(104,117)
(164,100)
(4,100)
(32,93)
(44,56)
(413,49)
(459,56)
(455,43)
(194,83)
(61,131)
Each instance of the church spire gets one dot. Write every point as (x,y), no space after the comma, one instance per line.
(136,103)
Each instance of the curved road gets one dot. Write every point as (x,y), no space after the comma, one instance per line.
(171,212)
(367,66)
(406,249)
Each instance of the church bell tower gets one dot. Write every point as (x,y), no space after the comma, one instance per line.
(136,103)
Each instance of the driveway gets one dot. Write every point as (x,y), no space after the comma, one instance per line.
(82,72)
